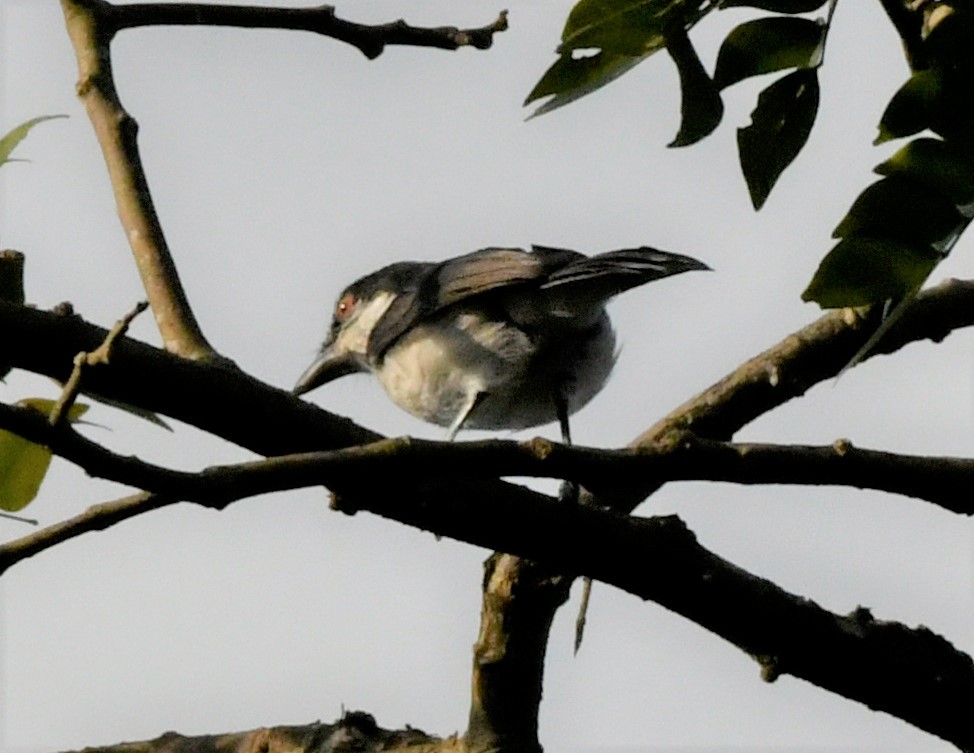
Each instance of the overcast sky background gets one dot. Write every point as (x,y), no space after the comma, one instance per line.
(283,166)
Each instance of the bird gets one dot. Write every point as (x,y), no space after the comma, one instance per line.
(496,339)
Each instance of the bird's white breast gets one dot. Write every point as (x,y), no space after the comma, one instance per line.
(436,369)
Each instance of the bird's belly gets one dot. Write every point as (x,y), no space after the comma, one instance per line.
(435,373)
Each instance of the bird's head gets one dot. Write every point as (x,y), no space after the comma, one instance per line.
(349,348)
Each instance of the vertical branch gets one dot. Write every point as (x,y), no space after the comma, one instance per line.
(91,26)
(519,602)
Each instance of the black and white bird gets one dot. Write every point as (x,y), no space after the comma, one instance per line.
(500,338)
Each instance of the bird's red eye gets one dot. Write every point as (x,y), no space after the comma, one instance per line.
(344,307)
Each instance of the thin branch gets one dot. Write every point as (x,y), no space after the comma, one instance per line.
(789,369)
(116,130)
(944,481)
(371,40)
(82,361)
(95,518)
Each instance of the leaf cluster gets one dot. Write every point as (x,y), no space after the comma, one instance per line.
(899,228)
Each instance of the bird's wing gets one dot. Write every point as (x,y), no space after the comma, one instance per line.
(488,269)
(460,279)
(602,276)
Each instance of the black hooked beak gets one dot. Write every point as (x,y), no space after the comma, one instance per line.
(328,366)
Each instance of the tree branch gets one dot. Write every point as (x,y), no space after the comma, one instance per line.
(90,30)
(789,369)
(943,481)
(92,24)
(271,422)
(912,674)
(813,354)
(370,40)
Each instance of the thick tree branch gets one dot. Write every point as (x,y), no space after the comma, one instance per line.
(912,674)
(355,731)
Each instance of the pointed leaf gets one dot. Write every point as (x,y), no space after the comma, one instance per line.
(135,410)
(913,107)
(571,78)
(778,6)
(701,107)
(627,27)
(767,45)
(904,210)
(779,128)
(23,464)
(13,137)
(860,271)
(937,164)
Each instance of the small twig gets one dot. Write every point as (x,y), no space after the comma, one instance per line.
(83,360)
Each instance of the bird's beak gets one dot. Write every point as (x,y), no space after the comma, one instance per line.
(327,366)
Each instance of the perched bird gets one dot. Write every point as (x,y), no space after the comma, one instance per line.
(500,338)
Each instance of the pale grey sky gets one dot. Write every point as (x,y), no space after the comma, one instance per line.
(284,166)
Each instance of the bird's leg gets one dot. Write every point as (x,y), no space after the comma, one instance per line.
(569,489)
(464,413)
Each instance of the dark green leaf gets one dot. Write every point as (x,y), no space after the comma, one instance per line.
(913,107)
(10,140)
(902,209)
(948,44)
(778,6)
(767,45)
(626,27)
(934,163)
(572,78)
(860,271)
(779,128)
(701,107)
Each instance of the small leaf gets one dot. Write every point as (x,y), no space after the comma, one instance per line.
(45,406)
(936,164)
(904,210)
(626,27)
(778,6)
(10,140)
(860,271)
(701,107)
(571,78)
(23,464)
(913,107)
(780,126)
(767,45)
